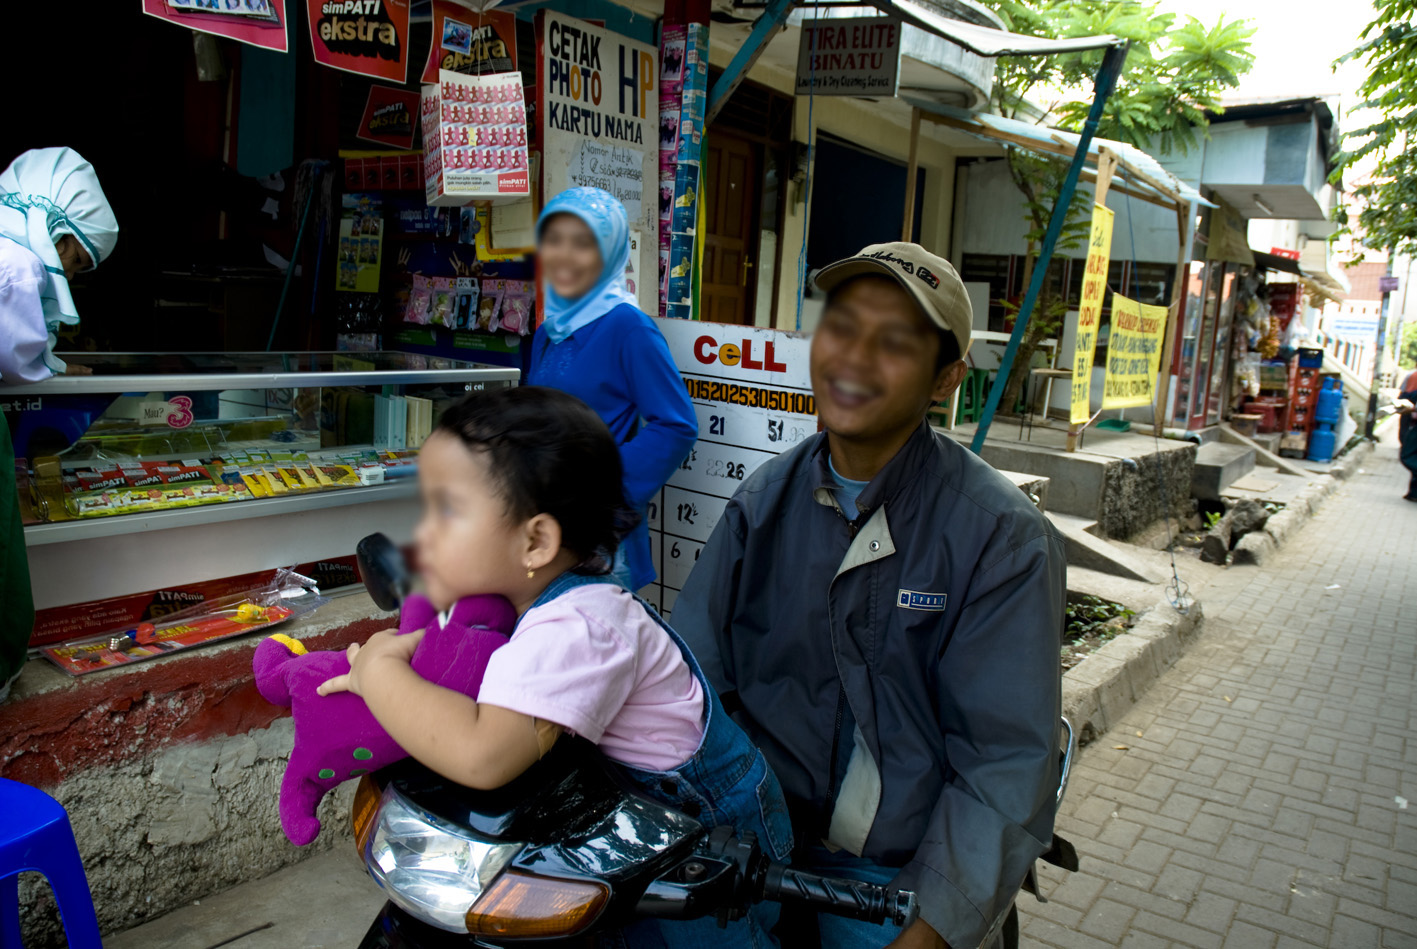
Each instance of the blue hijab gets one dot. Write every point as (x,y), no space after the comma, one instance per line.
(45,194)
(606,218)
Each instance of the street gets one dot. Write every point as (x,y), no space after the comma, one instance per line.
(1256,796)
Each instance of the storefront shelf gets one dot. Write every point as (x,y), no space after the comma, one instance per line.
(120,525)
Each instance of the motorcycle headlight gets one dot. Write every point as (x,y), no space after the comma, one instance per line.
(431,869)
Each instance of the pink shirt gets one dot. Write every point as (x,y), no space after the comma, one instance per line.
(595,662)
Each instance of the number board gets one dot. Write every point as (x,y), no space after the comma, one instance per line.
(752,394)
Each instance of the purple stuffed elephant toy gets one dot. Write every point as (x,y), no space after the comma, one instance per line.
(336,737)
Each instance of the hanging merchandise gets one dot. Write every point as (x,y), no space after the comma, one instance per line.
(361,244)
(506,306)
(256,22)
(684,203)
(368,37)
(465,41)
(474,139)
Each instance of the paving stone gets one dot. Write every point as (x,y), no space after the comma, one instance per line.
(1256,809)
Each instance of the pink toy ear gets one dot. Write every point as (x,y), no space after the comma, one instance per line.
(488,610)
(416,613)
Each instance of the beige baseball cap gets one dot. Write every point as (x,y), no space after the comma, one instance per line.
(932,281)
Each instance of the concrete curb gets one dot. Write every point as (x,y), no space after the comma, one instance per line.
(1104,686)
(1256,547)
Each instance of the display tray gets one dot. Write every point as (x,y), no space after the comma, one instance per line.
(148,433)
(208,371)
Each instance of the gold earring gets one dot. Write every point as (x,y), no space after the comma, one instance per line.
(530,574)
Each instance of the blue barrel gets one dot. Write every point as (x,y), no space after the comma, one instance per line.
(1321,443)
(1330,405)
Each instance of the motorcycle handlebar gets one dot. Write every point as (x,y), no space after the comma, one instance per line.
(852,898)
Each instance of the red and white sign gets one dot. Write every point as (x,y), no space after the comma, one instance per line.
(1284,252)
(257,22)
(752,394)
(390,116)
(470,42)
(368,37)
(474,139)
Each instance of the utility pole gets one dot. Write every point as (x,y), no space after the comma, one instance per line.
(1385,283)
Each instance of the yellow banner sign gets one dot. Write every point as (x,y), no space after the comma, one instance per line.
(1133,353)
(1094,291)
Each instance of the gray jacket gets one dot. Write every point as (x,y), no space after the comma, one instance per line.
(935,619)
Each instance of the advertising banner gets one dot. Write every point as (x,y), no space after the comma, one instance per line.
(600,120)
(474,139)
(859,56)
(389,117)
(368,37)
(1094,291)
(257,22)
(469,42)
(752,394)
(1133,353)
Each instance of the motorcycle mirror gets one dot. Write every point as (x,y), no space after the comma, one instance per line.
(384,571)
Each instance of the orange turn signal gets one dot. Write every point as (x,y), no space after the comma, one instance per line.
(366,805)
(522,904)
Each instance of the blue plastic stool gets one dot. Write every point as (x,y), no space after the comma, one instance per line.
(35,835)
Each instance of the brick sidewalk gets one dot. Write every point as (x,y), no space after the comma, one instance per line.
(1254,802)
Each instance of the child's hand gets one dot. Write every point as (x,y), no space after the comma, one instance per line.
(383,647)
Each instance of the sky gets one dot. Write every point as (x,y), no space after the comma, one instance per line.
(1295,45)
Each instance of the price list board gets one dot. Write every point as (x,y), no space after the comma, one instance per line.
(752,394)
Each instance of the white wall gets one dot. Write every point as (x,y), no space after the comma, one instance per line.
(993,219)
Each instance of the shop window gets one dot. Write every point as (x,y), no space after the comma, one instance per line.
(995,270)
(876,184)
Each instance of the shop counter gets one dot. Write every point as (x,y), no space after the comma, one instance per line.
(159,475)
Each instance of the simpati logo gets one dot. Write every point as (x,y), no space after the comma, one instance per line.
(512,183)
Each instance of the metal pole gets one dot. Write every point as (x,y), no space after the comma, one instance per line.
(1112,61)
(1372,417)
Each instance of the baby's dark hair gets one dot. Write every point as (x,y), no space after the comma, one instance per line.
(549,452)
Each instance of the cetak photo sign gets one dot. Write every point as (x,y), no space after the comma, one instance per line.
(1133,354)
(1094,291)
(469,42)
(599,120)
(849,57)
(752,394)
(368,37)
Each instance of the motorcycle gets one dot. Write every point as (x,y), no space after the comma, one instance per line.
(564,851)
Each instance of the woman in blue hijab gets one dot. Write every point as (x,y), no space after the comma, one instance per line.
(596,344)
(54,222)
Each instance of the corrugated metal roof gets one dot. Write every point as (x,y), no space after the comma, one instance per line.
(985,41)
(997,128)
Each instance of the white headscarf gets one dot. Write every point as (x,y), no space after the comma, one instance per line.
(45,194)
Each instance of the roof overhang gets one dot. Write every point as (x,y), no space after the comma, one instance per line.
(1138,174)
(983,40)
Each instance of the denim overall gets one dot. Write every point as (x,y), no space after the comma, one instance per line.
(725,781)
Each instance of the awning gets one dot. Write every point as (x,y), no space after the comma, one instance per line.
(1276,262)
(1137,174)
(985,41)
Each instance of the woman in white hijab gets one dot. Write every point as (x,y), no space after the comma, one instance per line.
(54,223)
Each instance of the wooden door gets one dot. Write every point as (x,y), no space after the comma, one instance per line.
(731,202)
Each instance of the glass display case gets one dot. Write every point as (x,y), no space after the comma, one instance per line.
(192,466)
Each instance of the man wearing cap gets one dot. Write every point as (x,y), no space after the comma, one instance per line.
(883,611)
